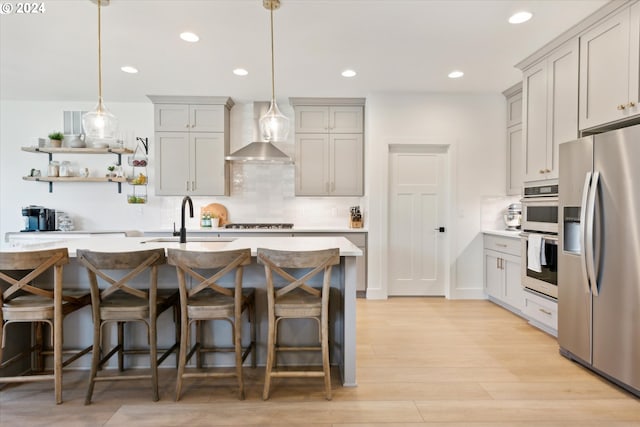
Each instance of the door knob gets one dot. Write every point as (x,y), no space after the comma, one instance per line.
(440,229)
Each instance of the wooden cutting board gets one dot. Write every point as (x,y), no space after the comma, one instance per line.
(218,210)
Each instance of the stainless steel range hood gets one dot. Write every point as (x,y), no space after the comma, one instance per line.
(259,150)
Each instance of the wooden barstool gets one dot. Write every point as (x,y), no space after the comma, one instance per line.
(119,302)
(295,300)
(26,300)
(206,300)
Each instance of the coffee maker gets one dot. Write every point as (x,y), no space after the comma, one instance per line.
(39,218)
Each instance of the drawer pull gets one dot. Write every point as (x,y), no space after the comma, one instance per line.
(547,312)
(621,107)
(502,245)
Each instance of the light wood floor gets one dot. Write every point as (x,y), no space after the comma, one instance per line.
(421,362)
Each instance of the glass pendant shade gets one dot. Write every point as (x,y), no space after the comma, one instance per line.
(274,125)
(100,123)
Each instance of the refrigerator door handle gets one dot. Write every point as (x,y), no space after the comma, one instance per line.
(590,251)
(583,229)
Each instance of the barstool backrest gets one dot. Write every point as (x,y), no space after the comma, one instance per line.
(136,261)
(34,264)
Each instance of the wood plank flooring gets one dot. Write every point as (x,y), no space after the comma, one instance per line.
(421,362)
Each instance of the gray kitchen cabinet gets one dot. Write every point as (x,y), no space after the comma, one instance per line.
(609,70)
(514,139)
(191,163)
(550,110)
(329,146)
(324,119)
(502,272)
(192,140)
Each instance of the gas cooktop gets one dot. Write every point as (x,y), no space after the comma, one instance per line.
(278,226)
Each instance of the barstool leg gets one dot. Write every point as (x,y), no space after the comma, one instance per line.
(237,341)
(270,355)
(326,367)
(252,326)
(95,360)
(182,358)
(121,346)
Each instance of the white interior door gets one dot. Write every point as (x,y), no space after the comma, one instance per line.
(416,212)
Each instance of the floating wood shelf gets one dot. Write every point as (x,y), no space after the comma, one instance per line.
(73,179)
(89,150)
(50,151)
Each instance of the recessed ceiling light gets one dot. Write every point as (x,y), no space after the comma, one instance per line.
(456,74)
(240,72)
(349,73)
(520,17)
(189,37)
(129,69)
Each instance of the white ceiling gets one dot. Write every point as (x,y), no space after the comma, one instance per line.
(394,45)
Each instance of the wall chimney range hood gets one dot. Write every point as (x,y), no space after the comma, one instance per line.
(259,150)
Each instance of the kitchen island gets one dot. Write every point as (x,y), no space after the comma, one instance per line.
(78,326)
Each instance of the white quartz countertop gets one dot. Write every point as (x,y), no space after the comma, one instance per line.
(125,244)
(504,233)
(295,229)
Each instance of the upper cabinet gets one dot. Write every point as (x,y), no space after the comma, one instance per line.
(550,110)
(329,146)
(513,97)
(609,74)
(329,119)
(192,140)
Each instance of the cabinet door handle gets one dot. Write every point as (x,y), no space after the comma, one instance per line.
(327,187)
(541,170)
(497,263)
(621,107)
(187,185)
(187,125)
(547,312)
(193,186)
(631,104)
(502,245)
(547,170)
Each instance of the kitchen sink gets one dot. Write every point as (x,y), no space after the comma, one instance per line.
(189,239)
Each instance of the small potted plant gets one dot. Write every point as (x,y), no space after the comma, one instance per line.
(55,139)
(111,169)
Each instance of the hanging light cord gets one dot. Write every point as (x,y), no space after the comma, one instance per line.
(273,79)
(99,60)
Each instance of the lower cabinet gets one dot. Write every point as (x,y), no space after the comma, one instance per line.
(502,277)
(542,312)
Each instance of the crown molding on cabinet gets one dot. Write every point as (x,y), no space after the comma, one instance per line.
(608,9)
(327,101)
(207,100)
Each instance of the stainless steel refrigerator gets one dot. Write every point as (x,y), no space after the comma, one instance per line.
(599,254)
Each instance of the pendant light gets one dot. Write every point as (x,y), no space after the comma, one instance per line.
(274,125)
(100,123)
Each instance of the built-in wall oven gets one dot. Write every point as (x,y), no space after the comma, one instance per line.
(539,238)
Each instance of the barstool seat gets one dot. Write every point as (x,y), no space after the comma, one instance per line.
(208,300)
(29,299)
(294,299)
(119,301)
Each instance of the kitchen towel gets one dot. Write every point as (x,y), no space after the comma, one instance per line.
(533,252)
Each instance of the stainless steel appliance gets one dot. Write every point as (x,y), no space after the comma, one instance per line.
(544,281)
(540,207)
(39,218)
(599,268)
(513,217)
(259,226)
(540,217)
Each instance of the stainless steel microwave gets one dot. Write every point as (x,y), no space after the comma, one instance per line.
(540,208)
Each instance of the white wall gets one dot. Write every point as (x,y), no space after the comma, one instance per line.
(259,193)
(472,125)
(474,128)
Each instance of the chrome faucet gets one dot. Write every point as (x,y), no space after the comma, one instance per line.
(183,230)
